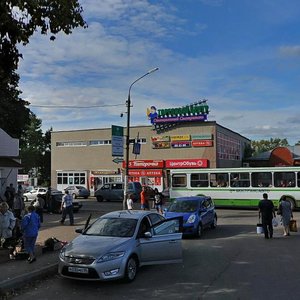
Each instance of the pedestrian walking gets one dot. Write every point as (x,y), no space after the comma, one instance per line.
(67,208)
(19,205)
(30,226)
(49,201)
(130,202)
(285,210)
(7,224)
(144,199)
(266,213)
(158,201)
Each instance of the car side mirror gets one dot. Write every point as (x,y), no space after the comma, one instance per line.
(79,230)
(147,235)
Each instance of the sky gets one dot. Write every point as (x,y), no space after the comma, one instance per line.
(243,56)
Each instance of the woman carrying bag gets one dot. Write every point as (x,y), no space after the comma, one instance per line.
(285,210)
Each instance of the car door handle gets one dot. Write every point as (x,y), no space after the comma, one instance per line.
(172,242)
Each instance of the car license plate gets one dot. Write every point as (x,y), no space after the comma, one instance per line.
(78,270)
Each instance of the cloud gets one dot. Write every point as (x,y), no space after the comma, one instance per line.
(290,50)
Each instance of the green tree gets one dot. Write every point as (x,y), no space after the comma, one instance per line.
(267,145)
(19,20)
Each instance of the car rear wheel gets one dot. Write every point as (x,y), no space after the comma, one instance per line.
(131,269)
(25,199)
(199,230)
(99,198)
(74,196)
(214,224)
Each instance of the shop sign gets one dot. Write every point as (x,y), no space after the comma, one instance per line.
(148,173)
(105,172)
(145,164)
(185,137)
(181,144)
(202,143)
(164,138)
(161,145)
(186,163)
(202,136)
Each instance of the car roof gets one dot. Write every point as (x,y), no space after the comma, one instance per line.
(128,214)
(194,198)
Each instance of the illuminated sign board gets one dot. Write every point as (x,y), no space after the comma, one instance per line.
(185,144)
(201,136)
(164,138)
(161,145)
(185,137)
(165,119)
(149,173)
(186,163)
(202,143)
(145,164)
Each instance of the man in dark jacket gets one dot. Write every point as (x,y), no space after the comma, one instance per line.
(266,212)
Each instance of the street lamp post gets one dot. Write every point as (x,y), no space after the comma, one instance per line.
(128,136)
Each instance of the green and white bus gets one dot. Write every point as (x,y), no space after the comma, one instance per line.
(238,187)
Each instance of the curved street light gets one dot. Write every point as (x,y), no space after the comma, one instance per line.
(128,135)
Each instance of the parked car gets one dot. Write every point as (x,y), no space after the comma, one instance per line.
(32,195)
(115,191)
(78,191)
(198,213)
(120,242)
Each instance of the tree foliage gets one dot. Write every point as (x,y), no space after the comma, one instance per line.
(19,20)
(267,145)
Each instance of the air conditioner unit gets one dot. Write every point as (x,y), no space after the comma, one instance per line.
(246,165)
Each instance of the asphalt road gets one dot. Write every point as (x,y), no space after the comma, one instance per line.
(230,262)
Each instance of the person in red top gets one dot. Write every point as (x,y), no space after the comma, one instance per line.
(144,199)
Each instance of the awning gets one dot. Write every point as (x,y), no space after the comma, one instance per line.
(6,162)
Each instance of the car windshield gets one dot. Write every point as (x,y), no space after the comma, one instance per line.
(183,206)
(116,227)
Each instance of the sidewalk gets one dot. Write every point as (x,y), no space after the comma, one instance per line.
(16,274)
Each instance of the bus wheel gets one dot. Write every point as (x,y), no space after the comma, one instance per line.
(199,231)
(292,202)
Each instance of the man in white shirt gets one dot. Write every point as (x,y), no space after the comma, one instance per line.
(67,208)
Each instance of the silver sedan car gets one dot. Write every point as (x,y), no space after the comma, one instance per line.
(118,243)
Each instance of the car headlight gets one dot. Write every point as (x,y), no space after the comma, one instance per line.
(111,256)
(62,253)
(191,219)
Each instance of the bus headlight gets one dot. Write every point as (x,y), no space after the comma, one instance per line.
(191,219)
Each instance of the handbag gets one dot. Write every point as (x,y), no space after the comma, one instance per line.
(259,228)
(293,226)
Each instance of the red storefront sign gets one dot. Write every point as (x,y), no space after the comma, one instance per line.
(202,143)
(145,164)
(186,163)
(148,173)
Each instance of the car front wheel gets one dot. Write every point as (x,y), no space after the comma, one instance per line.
(99,198)
(131,269)
(214,223)
(199,230)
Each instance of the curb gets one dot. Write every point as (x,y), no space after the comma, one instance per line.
(20,281)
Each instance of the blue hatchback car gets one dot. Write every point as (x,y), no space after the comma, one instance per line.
(198,213)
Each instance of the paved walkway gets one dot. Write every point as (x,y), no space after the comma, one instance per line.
(15,274)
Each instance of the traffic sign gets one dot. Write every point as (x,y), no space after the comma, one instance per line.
(117,140)
(118,160)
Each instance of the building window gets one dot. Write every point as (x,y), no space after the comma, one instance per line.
(71,178)
(71,144)
(99,142)
(229,148)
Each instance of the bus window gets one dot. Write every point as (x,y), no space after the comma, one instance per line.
(261,179)
(219,179)
(284,179)
(239,180)
(199,180)
(179,180)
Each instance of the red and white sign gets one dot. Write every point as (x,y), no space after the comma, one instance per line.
(146,173)
(145,164)
(202,143)
(186,163)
